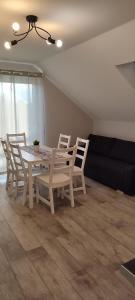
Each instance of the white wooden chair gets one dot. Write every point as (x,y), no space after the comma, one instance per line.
(59,176)
(11,171)
(21,171)
(82,147)
(64,141)
(17,138)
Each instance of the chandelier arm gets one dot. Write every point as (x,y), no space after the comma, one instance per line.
(36,27)
(19,34)
(24,36)
(40,34)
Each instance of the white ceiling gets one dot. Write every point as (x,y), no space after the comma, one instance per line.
(73,21)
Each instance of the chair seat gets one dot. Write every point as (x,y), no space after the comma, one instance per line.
(58,179)
(77,170)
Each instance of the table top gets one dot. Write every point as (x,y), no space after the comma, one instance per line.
(44,154)
(28,154)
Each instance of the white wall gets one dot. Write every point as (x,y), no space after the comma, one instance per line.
(63,116)
(88,74)
(124,130)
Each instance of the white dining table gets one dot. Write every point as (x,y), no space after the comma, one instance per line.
(32,158)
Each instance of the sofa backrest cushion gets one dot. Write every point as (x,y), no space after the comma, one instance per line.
(123,150)
(100,144)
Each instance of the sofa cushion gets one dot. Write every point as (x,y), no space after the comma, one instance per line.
(105,170)
(114,173)
(123,150)
(100,144)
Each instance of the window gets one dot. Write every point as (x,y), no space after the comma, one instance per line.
(21,108)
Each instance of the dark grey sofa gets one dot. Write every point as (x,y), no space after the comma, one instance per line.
(111,161)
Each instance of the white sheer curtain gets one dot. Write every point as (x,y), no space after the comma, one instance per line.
(21,109)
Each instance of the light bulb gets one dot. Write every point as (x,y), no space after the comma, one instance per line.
(47,42)
(15,26)
(59,43)
(7,45)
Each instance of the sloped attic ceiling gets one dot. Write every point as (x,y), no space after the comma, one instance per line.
(73,21)
(88,74)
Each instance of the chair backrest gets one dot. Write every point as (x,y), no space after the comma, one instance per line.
(17,138)
(82,148)
(18,161)
(64,141)
(61,161)
(9,161)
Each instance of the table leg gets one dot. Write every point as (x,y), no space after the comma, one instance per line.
(30,186)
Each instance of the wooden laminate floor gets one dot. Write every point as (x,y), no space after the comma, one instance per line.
(73,255)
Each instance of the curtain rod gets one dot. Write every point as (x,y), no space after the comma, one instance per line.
(21,73)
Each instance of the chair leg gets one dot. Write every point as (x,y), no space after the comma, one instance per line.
(16,188)
(71,194)
(12,182)
(83,184)
(7,181)
(25,193)
(11,187)
(37,192)
(51,200)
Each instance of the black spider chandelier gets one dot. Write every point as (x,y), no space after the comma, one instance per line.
(42,33)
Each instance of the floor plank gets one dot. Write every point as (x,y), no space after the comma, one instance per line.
(11,291)
(73,255)
(53,277)
(30,281)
